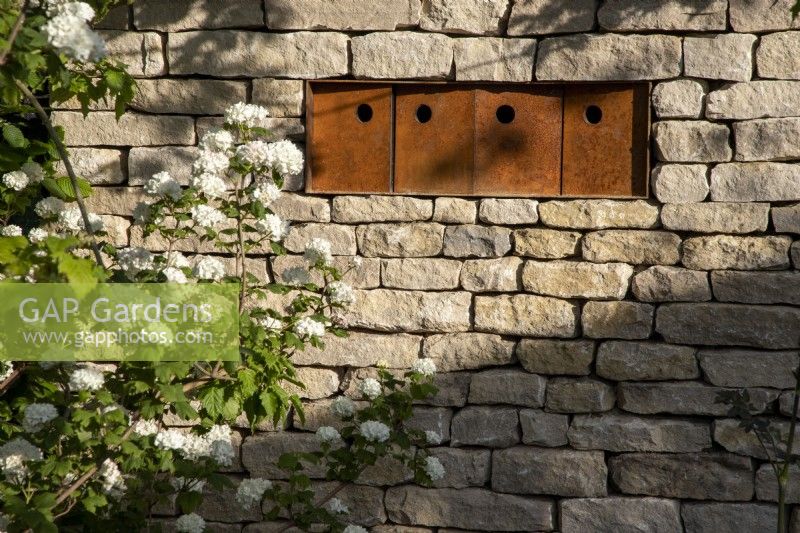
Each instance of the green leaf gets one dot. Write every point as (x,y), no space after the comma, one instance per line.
(213,401)
(14,136)
(62,188)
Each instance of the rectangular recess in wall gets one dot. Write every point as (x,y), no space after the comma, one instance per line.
(478,139)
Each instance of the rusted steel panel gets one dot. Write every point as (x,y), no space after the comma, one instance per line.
(434,139)
(605,140)
(349,138)
(518,140)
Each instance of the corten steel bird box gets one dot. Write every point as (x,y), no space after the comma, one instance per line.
(541,140)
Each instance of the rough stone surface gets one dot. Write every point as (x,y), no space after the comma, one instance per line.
(182,15)
(101,128)
(342,238)
(755,182)
(598,214)
(367,276)
(389,310)
(716,217)
(297,208)
(632,246)
(584,395)
(729,434)
(540,17)
(737,253)
(693,141)
(757,287)
(508,211)
(772,61)
(524,314)
(568,279)
(545,356)
(363,349)
(144,162)
(514,387)
(786,219)
(97,165)
(546,243)
(189,97)
(402,55)
(621,515)
(721,56)
(747,368)
(769,139)
(282,98)
(463,468)
(645,361)
(670,15)
(466,351)
(543,429)
(679,184)
(679,99)
(400,240)
(527,470)
(471,508)
(717,476)
(491,275)
(359,209)
(609,57)
(494,59)
(767,485)
(762,15)
(621,320)
(492,427)
(713,517)
(143,52)
(342,15)
(455,211)
(626,433)
(755,99)
(682,398)
(232,53)
(671,284)
(476,241)
(260,453)
(464,16)
(420,274)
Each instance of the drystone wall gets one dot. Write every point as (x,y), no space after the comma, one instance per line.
(582,342)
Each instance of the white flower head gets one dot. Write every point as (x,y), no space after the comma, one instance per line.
(37,416)
(343,407)
(209,162)
(70,219)
(296,276)
(142,213)
(266,192)
(190,523)
(284,158)
(434,468)
(337,506)
(145,428)
(251,491)
(111,477)
(374,431)
(273,226)
(207,217)
(209,268)
(246,115)
(86,378)
(308,327)
(175,275)
(135,260)
(170,439)
(16,180)
(211,185)
(341,293)
(11,231)
(354,529)
(328,434)
(370,388)
(37,235)
(163,185)
(217,140)
(425,366)
(255,153)
(34,171)
(49,207)
(433,438)
(318,251)
(13,456)
(176,259)
(270,323)
(81,10)
(70,35)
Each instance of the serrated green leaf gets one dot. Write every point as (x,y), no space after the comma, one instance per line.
(14,136)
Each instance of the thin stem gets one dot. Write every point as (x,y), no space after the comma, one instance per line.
(12,36)
(62,152)
(784,474)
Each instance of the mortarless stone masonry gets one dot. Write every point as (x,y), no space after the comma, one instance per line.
(582,343)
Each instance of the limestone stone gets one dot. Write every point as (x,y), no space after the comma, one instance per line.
(540,17)
(786,403)
(476,241)
(317,414)
(494,59)
(702,476)
(544,243)
(524,314)
(342,238)
(738,253)
(220,505)
(453,389)
(464,16)
(422,274)
(757,287)
(769,139)
(755,182)
(645,361)
(182,15)
(507,386)
(508,211)
(463,468)
(142,52)
(319,383)
(436,419)
(679,99)
(767,485)
(401,54)
(748,368)
(561,472)
(365,276)
(341,15)
(729,434)
(491,275)
(363,349)
(454,211)
(545,356)
(543,429)
(400,240)
(359,209)
(579,395)
(569,279)
(410,311)
(711,517)
(692,141)
(231,53)
(144,162)
(621,515)
(621,320)
(101,128)
(490,427)
(680,184)
(762,15)
(716,217)
(598,214)
(609,57)
(115,19)
(724,56)
(795,252)
(276,129)
(188,97)
(97,165)
(682,398)
(755,99)
(115,200)
(670,15)
(260,453)
(282,98)
(671,284)
(786,219)
(299,208)
(772,61)
(471,508)
(466,351)
(626,433)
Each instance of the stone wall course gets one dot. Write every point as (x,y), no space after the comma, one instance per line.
(525,314)
(756,287)
(541,17)
(341,15)
(494,59)
(716,217)
(617,320)
(506,386)
(755,99)
(598,214)
(632,246)
(560,472)
(581,395)
(615,513)
(769,139)
(402,55)
(669,15)
(554,357)
(464,16)
(491,275)
(692,141)
(467,351)
(679,184)
(703,517)
(755,182)
(180,15)
(671,284)
(682,398)
(725,56)
(626,433)
(491,427)
(570,279)
(646,361)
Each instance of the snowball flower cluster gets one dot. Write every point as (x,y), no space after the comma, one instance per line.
(207,217)
(254,153)
(337,506)
(308,327)
(170,439)
(217,140)
(37,235)
(318,252)
(34,171)
(145,428)
(111,477)
(215,444)
(134,260)
(86,378)
(13,456)
(425,366)
(251,491)
(141,213)
(37,415)
(273,226)
(11,231)
(69,33)
(370,388)
(341,293)
(190,523)
(49,207)
(270,323)
(246,115)
(209,162)
(210,185)
(164,186)
(16,180)
(70,219)
(434,468)
(174,275)
(284,158)
(209,268)
(328,434)
(343,407)
(296,276)
(374,431)
(266,192)
(433,438)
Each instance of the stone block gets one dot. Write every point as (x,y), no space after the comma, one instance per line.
(319,383)
(692,141)
(670,15)
(786,219)
(679,184)
(494,59)
(716,217)
(464,16)
(762,15)
(297,208)
(491,275)
(97,165)
(476,241)
(453,389)
(436,419)
(598,214)
(220,505)
(363,349)
(400,240)
(143,163)
(772,61)
(626,433)
(188,97)
(711,517)
(101,128)
(180,15)
(757,287)
(683,398)
(467,351)
(645,361)
(579,395)
(755,182)
(508,211)
(729,434)
(546,356)
(543,429)
(282,98)
(507,386)
(260,453)
(546,243)
(410,311)
(115,200)
(749,368)
(402,55)
(540,17)
(143,53)
(342,238)
(569,279)
(366,276)
(679,99)
(360,209)
(621,515)
(115,19)
(490,427)
(621,320)
(463,468)
(560,472)
(767,485)
(525,314)
(671,284)
(455,211)
(720,252)
(420,274)
(341,15)
(632,246)
(755,99)
(768,139)
(724,56)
